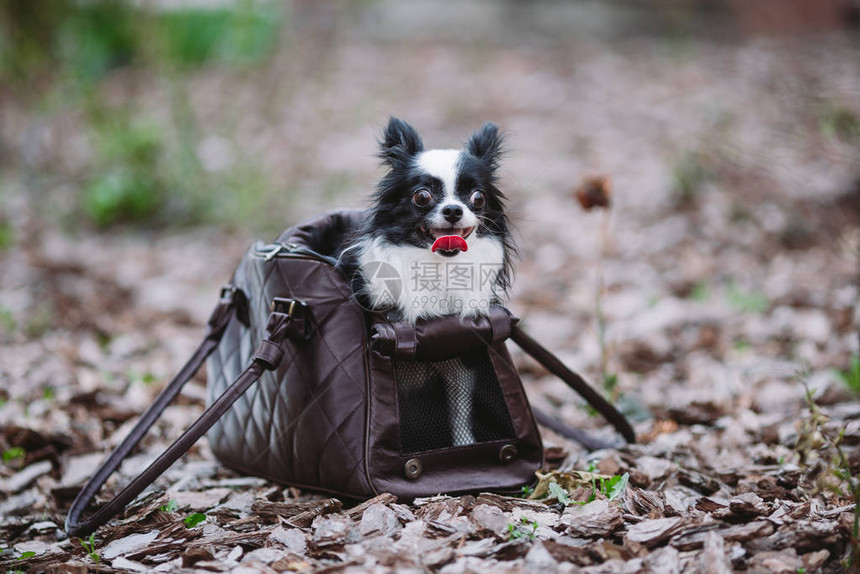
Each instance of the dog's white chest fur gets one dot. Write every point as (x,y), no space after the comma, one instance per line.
(421,283)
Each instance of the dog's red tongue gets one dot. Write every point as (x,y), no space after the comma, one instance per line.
(450,243)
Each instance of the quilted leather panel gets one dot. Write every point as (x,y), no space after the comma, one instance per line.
(305,423)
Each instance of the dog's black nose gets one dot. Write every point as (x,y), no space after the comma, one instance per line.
(452,212)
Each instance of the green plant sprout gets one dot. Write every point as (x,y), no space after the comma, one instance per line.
(13,453)
(816,441)
(90,547)
(559,493)
(611,487)
(525,528)
(615,486)
(169,507)
(851,376)
(194,519)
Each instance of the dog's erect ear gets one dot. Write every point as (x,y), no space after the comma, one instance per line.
(486,144)
(399,142)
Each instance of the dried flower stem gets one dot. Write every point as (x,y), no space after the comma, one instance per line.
(608,380)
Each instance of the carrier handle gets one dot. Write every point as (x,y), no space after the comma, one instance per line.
(574,381)
(268,356)
(442,338)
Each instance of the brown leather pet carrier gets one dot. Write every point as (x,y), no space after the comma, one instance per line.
(309,389)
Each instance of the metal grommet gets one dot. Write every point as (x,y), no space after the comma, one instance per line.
(412,469)
(507,453)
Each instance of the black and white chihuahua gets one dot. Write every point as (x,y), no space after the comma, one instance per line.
(438,219)
(438,223)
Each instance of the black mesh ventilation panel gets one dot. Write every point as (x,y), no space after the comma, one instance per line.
(450,403)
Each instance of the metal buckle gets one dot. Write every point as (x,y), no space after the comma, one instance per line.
(228,292)
(280,304)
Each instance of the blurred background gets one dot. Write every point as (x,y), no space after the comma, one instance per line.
(144,144)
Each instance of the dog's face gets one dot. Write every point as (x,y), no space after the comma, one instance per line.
(430,194)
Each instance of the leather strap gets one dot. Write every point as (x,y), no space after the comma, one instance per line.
(405,341)
(584,438)
(268,357)
(578,384)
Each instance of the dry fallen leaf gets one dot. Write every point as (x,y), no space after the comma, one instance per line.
(594,191)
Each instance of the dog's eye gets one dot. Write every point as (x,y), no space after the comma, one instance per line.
(478,199)
(422,198)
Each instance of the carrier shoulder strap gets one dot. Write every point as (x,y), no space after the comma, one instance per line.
(577,383)
(287,321)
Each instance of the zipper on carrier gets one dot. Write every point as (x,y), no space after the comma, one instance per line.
(287,249)
(274,250)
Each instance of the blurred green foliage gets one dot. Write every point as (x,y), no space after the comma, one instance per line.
(7,235)
(88,39)
(850,377)
(700,292)
(7,320)
(93,39)
(46,38)
(840,123)
(237,36)
(40,320)
(747,301)
(56,57)
(689,175)
(127,187)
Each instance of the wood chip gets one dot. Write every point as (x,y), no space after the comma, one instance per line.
(129,544)
(378,519)
(766,487)
(24,478)
(708,504)
(664,560)
(508,503)
(597,519)
(305,518)
(713,559)
(653,532)
(490,519)
(812,561)
(802,536)
(194,555)
(698,481)
(357,511)
(776,562)
(694,538)
(577,555)
(271,511)
(748,505)
(643,503)
(331,531)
